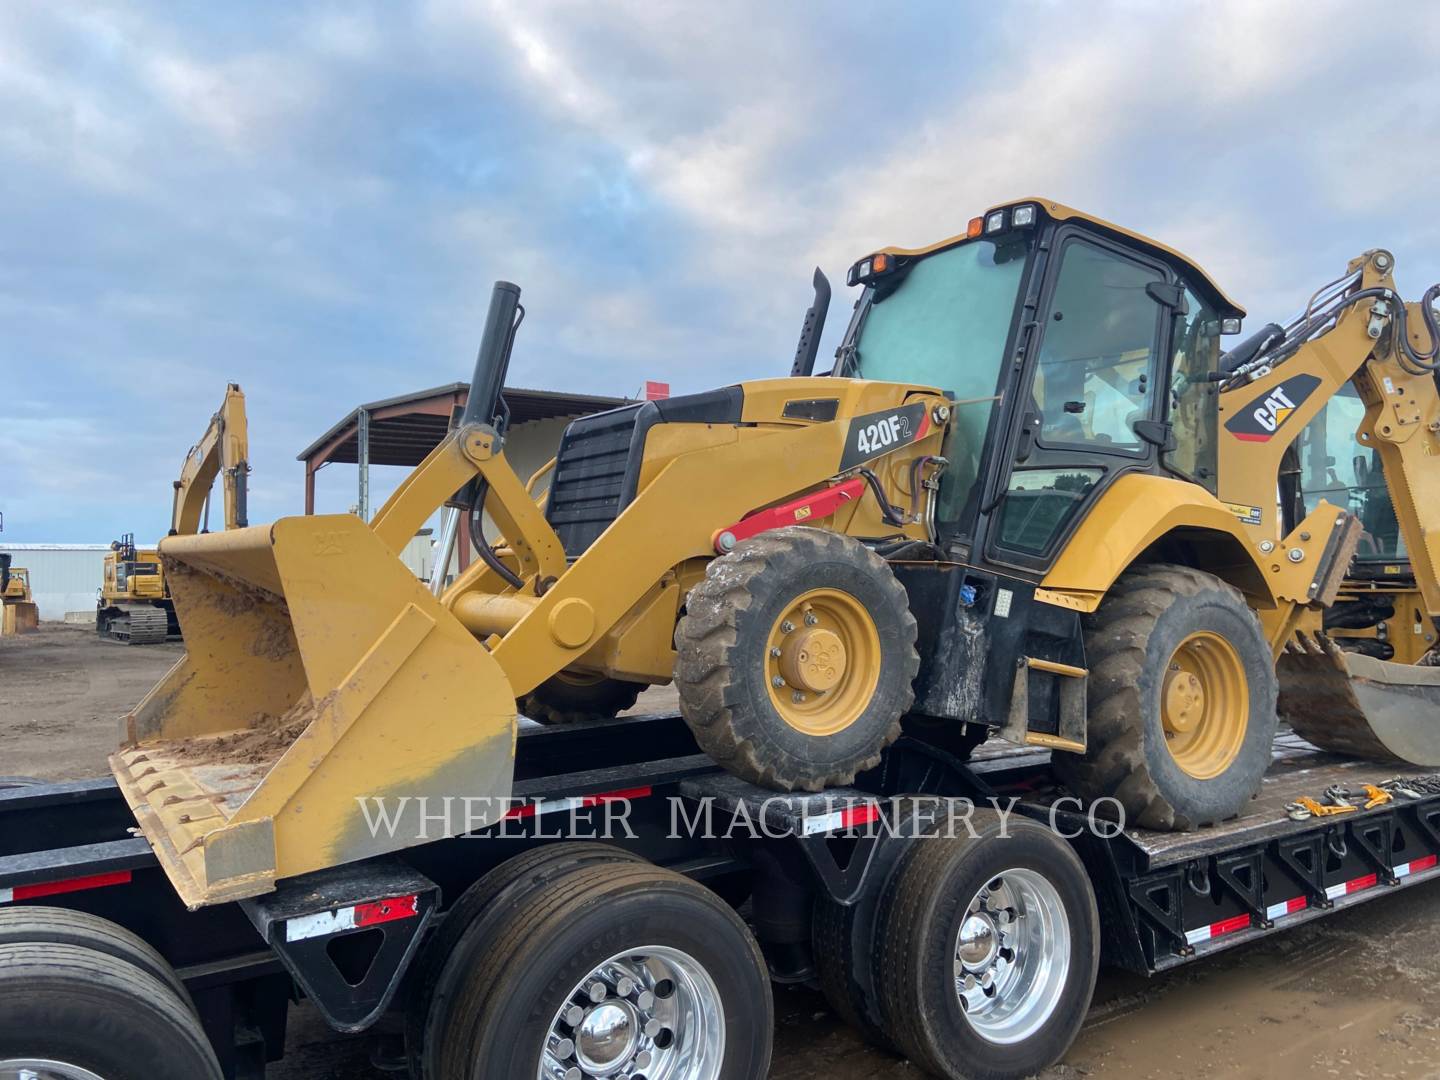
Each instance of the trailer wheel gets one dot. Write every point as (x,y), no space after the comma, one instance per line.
(832,940)
(59,926)
(573,697)
(614,971)
(796,659)
(70,1013)
(987,949)
(1182,700)
(506,888)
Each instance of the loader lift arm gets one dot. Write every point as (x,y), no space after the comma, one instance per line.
(223,450)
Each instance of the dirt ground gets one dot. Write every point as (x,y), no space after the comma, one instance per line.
(1355,996)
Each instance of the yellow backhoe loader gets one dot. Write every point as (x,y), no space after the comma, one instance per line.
(19,613)
(1033,499)
(135,605)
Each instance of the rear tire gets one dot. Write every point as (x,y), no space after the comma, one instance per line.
(572,698)
(507,888)
(58,926)
(1140,639)
(92,1012)
(1036,1008)
(703,983)
(797,721)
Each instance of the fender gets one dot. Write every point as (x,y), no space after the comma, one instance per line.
(1136,512)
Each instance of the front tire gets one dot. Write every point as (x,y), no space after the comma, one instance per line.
(1181,701)
(614,970)
(987,949)
(796,659)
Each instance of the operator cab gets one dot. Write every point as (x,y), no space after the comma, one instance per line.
(1075,351)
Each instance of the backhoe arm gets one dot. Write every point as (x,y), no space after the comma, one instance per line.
(1354,331)
(223,450)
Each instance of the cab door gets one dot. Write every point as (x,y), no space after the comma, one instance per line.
(1092,372)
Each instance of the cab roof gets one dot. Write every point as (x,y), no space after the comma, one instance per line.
(1188,268)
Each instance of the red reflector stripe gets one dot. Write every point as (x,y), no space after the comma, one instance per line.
(1359,883)
(1427,863)
(531,809)
(383,911)
(859,815)
(1294,904)
(1229,926)
(79,884)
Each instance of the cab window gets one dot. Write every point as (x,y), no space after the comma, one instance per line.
(1095,372)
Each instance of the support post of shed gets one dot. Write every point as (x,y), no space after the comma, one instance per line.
(362,423)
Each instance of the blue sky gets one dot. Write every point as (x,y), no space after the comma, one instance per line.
(312,200)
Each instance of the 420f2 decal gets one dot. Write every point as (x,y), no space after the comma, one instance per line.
(1267,414)
(878,433)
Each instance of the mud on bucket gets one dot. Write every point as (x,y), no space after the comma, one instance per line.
(318,672)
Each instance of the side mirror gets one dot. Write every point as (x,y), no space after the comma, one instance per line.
(1168,295)
(1156,433)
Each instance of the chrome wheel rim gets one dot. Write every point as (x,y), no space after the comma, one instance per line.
(43,1069)
(652,1013)
(1012,956)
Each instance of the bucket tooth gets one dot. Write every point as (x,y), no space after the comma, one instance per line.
(1356,705)
(320,676)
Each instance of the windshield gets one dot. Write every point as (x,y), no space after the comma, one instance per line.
(945,325)
(1336,468)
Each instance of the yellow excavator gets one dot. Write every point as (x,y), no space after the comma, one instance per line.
(1034,498)
(135,605)
(19,613)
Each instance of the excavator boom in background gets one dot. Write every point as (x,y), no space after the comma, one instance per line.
(1033,499)
(135,605)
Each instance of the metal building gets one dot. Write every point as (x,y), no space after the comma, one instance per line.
(63,577)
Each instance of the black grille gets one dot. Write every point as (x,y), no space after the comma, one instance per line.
(589,482)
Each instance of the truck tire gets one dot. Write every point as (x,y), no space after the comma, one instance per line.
(59,926)
(573,697)
(614,970)
(508,887)
(96,1016)
(832,929)
(796,659)
(987,948)
(1181,700)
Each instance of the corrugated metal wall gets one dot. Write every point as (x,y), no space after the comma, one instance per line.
(64,577)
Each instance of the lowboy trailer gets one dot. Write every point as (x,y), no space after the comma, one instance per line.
(470,943)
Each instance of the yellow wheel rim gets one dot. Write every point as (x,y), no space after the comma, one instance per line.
(822,662)
(578,678)
(1205,705)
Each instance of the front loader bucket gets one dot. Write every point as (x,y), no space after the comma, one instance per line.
(328,709)
(1353,704)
